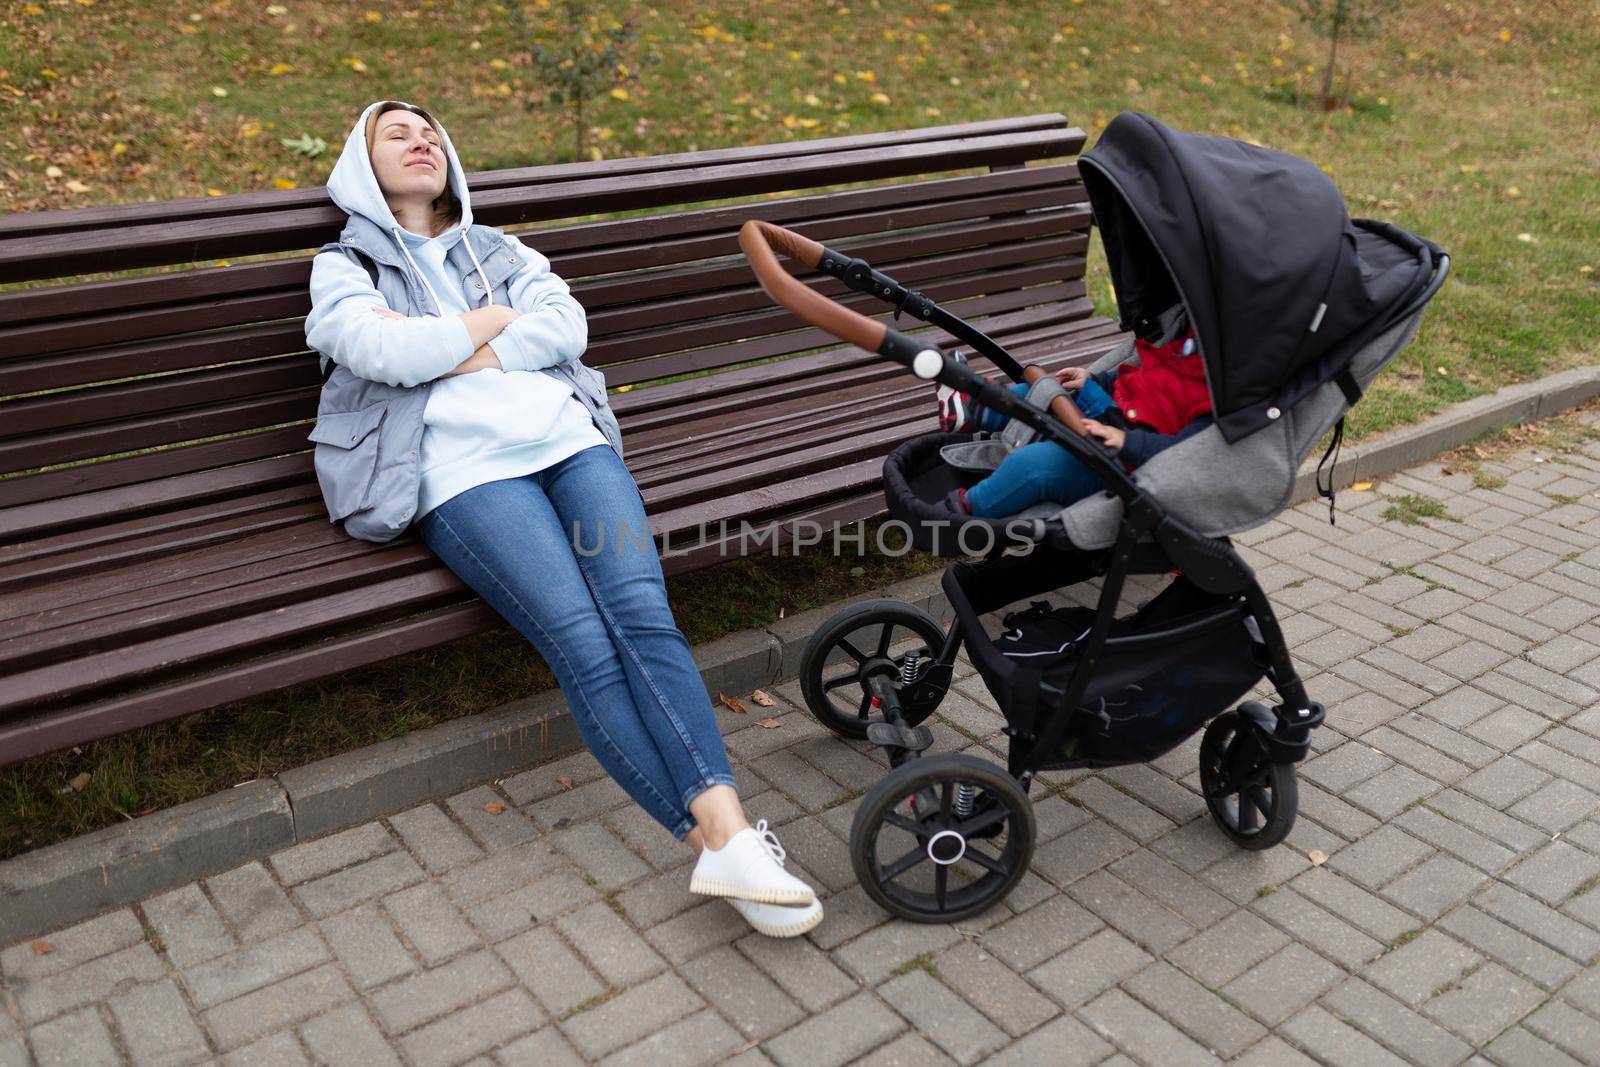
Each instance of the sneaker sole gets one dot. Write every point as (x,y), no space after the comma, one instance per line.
(708,887)
(794,929)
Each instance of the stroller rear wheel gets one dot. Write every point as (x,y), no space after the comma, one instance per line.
(1252,799)
(854,644)
(942,838)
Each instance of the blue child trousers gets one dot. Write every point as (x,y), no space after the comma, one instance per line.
(1040,471)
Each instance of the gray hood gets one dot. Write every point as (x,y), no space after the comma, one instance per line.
(353,185)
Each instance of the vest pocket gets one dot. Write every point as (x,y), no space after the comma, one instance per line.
(346,456)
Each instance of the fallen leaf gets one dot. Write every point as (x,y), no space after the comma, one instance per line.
(79,781)
(283,183)
(761,698)
(217,90)
(1360,487)
(75,186)
(43,948)
(564,781)
(280,68)
(52,171)
(619,93)
(1317,857)
(494,807)
(770,724)
(732,703)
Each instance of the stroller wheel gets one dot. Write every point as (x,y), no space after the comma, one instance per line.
(1251,798)
(850,647)
(942,838)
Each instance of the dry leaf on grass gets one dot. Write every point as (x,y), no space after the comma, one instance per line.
(770,724)
(494,807)
(732,703)
(761,698)
(564,781)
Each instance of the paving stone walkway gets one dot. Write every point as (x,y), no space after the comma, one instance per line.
(1454,793)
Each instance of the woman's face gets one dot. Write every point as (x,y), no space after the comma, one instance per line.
(407,157)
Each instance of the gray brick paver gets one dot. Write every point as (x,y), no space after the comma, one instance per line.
(76,1040)
(950,1022)
(157,1027)
(1149,1037)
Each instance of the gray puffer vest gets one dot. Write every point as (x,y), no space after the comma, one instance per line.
(369,434)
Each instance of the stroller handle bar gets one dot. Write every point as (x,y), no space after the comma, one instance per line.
(761,241)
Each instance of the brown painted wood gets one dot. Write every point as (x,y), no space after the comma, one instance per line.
(132,588)
(254,204)
(207,606)
(72,724)
(263,631)
(633,242)
(144,245)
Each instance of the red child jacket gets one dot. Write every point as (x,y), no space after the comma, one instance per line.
(1167,391)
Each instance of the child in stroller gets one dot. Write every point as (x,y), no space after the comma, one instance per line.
(1141,409)
(1288,341)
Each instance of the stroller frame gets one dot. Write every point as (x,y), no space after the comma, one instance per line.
(1247,755)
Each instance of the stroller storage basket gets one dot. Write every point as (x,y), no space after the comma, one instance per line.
(1144,698)
(915,482)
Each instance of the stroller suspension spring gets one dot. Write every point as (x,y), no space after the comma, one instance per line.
(910,668)
(965,796)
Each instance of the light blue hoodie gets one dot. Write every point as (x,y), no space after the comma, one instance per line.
(479,427)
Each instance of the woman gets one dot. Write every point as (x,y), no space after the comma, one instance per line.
(454,394)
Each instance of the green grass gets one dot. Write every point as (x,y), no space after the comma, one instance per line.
(1411,509)
(1454,132)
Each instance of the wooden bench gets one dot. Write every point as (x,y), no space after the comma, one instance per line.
(163,545)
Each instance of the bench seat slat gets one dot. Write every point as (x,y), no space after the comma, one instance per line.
(290,583)
(41,733)
(261,631)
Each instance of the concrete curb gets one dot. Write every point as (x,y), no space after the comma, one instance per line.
(63,883)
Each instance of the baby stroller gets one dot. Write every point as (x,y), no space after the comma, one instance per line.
(1295,307)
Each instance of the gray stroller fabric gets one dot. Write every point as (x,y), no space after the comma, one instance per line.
(1217,488)
(985,452)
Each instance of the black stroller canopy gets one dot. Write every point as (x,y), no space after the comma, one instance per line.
(1281,286)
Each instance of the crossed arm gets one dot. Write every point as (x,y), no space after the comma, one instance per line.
(483,325)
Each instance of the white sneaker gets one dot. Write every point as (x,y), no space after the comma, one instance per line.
(775,920)
(749,867)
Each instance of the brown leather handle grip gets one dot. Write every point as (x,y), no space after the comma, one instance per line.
(759,240)
(762,240)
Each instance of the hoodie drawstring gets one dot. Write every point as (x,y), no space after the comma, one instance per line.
(437,303)
(488,292)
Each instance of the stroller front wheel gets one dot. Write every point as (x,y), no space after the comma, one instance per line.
(1252,799)
(854,644)
(942,838)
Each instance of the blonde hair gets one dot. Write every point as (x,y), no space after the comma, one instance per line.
(446,208)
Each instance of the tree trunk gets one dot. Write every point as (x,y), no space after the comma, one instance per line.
(1325,99)
(578,130)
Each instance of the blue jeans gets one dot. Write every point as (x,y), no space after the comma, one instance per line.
(565,555)
(1040,471)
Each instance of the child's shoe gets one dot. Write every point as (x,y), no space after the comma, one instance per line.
(749,867)
(957,412)
(956,500)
